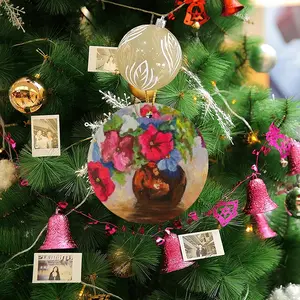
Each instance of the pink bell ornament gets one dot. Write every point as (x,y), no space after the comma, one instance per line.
(58,235)
(173,260)
(263,228)
(294,159)
(259,200)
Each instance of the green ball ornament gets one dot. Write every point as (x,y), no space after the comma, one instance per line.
(292,202)
(263,58)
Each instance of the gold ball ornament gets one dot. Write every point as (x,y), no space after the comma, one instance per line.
(142,95)
(149,56)
(27,95)
(121,264)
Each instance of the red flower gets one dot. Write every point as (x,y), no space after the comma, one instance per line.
(156,145)
(149,111)
(100,179)
(177,224)
(118,150)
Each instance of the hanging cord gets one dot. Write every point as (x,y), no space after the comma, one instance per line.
(4,140)
(143,10)
(42,231)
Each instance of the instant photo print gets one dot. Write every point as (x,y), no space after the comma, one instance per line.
(45,135)
(200,245)
(57,267)
(102,59)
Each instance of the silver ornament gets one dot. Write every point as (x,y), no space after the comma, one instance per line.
(267,59)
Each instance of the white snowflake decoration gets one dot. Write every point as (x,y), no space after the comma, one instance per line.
(115,101)
(97,124)
(211,107)
(13,13)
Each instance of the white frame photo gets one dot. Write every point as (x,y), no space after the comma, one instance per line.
(200,245)
(102,59)
(57,267)
(45,135)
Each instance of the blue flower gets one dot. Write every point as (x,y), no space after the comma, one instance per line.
(97,157)
(145,122)
(170,163)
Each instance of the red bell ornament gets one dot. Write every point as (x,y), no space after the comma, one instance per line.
(231,7)
(58,235)
(263,229)
(195,13)
(173,260)
(259,201)
(294,159)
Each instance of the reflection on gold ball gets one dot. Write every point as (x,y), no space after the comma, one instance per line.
(121,264)
(27,95)
(142,95)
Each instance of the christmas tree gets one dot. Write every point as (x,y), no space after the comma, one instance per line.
(60,103)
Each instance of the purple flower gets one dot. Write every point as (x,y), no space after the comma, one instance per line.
(170,162)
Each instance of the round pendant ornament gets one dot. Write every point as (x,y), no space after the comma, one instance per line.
(147,164)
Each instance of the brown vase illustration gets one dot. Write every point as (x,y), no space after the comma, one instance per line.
(158,193)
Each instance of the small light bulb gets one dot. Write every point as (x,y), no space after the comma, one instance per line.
(249,228)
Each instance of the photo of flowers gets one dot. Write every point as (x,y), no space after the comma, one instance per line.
(147,164)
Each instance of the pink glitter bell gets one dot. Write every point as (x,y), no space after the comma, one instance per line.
(173,260)
(294,159)
(58,233)
(263,228)
(259,200)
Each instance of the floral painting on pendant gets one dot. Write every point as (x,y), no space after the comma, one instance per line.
(147,164)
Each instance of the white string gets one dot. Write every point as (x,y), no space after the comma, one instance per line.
(42,231)
(103,291)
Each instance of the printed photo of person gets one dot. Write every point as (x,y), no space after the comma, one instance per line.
(45,135)
(102,59)
(201,245)
(54,275)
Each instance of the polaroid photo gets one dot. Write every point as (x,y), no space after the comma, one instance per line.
(45,135)
(201,245)
(102,59)
(57,267)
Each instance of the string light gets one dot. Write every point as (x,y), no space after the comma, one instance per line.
(249,228)
(252,137)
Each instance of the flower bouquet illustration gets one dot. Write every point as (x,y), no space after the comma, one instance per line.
(142,151)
